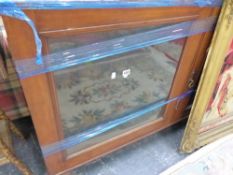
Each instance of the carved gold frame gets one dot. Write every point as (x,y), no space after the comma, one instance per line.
(219,46)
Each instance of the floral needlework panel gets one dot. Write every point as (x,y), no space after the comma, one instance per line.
(100,91)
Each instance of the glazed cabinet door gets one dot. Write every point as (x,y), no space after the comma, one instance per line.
(78,100)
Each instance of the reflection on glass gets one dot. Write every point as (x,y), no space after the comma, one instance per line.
(96,92)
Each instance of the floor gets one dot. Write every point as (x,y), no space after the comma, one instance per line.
(149,156)
(215,158)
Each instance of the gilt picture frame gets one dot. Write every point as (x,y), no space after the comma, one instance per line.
(197,132)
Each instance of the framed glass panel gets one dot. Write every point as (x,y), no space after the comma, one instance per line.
(97,92)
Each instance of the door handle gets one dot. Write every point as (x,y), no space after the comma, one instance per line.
(191,84)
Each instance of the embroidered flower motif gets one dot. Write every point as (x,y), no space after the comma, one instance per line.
(80,97)
(67,80)
(130,84)
(106,90)
(87,118)
(143,98)
(119,107)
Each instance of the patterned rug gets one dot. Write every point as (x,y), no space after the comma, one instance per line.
(213,159)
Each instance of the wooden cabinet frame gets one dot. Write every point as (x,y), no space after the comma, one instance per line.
(39,90)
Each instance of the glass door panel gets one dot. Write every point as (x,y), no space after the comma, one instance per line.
(100,91)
